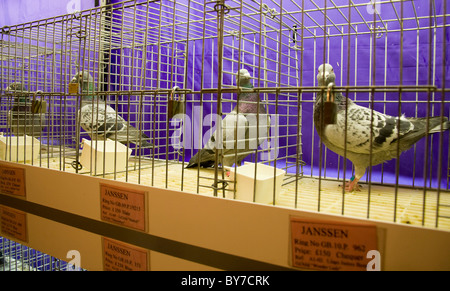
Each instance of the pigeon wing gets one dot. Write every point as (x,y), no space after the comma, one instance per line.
(367,130)
(99,121)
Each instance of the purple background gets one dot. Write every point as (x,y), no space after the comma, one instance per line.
(315,51)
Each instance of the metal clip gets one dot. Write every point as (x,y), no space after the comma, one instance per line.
(233,32)
(217,187)
(221,7)
(267,10)
(175,105)
(77,165)
(6,29)
(379,31)
(175,88)
(76,15)
(80,33)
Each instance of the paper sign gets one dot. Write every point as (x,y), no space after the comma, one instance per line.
(13,223)
(73,88)
(330,245)
(119,256)
(123,207)
(12,180)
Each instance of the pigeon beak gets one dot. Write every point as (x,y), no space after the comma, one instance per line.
(74,80)
(323,76)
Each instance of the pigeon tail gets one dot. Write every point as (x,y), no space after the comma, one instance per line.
(440,127)
(132,136)
(435,125)
(207,159)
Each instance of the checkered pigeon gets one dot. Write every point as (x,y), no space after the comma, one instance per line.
(100,120)
(372,137)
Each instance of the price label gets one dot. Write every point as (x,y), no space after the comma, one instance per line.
(13,223)
(12,180)
(119,256)
(123,207)
(330,245)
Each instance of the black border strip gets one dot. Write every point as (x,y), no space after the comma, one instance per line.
(178,249)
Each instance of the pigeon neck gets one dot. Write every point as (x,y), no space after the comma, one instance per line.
(251,107)
(248,103)
(88,88)
(245,83)
(326,82)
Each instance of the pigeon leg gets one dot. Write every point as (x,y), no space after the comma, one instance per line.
(352,185)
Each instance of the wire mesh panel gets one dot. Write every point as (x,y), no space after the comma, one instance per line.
(191,95)
(389,57)
(17,257)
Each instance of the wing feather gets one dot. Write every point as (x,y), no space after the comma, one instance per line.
(95,119)
(367,128)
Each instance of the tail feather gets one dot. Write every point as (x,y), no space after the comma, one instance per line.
(204,158)
(434,125)
(134,136)
(441,126)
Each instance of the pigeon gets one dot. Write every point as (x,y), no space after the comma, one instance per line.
(100,120)
(23,113)
(251,130)
(389,133)
(20,102)
(23,103)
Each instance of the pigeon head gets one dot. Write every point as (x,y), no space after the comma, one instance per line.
(325,75)
(15,87)
(82,77)
(85,82)
(243,78)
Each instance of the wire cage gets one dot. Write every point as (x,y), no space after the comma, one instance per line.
(170,70)
(17,257)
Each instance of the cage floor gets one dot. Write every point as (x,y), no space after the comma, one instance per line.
(385,203)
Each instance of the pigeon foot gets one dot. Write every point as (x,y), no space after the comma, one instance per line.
(352,186)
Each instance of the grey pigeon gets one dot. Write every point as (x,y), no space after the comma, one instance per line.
(21,102)
(100,120)
(388,132)
(25,117)
(251,130)
(16,87)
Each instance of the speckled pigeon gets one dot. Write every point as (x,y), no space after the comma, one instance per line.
(100,120)
(251,130)
(388,132)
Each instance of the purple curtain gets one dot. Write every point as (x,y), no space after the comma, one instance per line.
(416,57)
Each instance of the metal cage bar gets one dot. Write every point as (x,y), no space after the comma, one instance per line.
(165,72)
